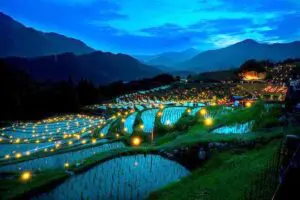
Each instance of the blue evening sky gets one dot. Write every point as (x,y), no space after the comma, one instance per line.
(155,26)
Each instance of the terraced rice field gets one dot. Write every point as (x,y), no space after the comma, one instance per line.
(10,148)
(105,129)
(148,118)
(131,177)
(139,107)
(58,160)
(235,129)
(49,128)
(194,111)
(171,115)
(129,122)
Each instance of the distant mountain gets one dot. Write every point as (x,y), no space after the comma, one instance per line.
(144,58)
(19,40)
(233,56)
(168,59)
(98,67)
(172,58)
(174,72)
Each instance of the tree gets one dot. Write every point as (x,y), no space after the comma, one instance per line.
(252,65)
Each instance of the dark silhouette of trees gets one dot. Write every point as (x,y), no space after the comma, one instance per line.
(23,98)
(253,65)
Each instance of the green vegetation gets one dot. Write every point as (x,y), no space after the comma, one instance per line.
(191,129)
(159,128)
(138,123)
(185,121)
(240,165)
(227,175)
(115,127)
(14,188)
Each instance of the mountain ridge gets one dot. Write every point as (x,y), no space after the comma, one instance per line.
(17,39)
(99,67)
(234,55)
(168,58)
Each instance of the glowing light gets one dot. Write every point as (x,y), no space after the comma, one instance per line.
(159,114)
(117,135)
(18,155)
(253,75)
(168,122)
(27,153)
(125,129)
(25,176)
(208,121)
(161,106)
(94,141)
(189,110)
(7,156)
(102,135)
(142,126)
(70,142)
(83,141)
(77,136)
(136,141)
(66,165)
(248,104)
(203,111)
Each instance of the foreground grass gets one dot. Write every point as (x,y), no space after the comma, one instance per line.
(226,175)
(193,137)
(14,188)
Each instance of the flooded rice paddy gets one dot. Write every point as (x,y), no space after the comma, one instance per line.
(129,177)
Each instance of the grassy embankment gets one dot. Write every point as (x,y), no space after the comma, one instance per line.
(227,175)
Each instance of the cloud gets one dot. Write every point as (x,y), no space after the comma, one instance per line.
(285,27)
(166,29)
(154,26)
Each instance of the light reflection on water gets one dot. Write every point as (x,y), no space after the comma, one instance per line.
(235,129)
(58,160)
(131,177)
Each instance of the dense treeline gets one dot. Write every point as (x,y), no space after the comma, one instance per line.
(249,65)
(262,66)
(23,98)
